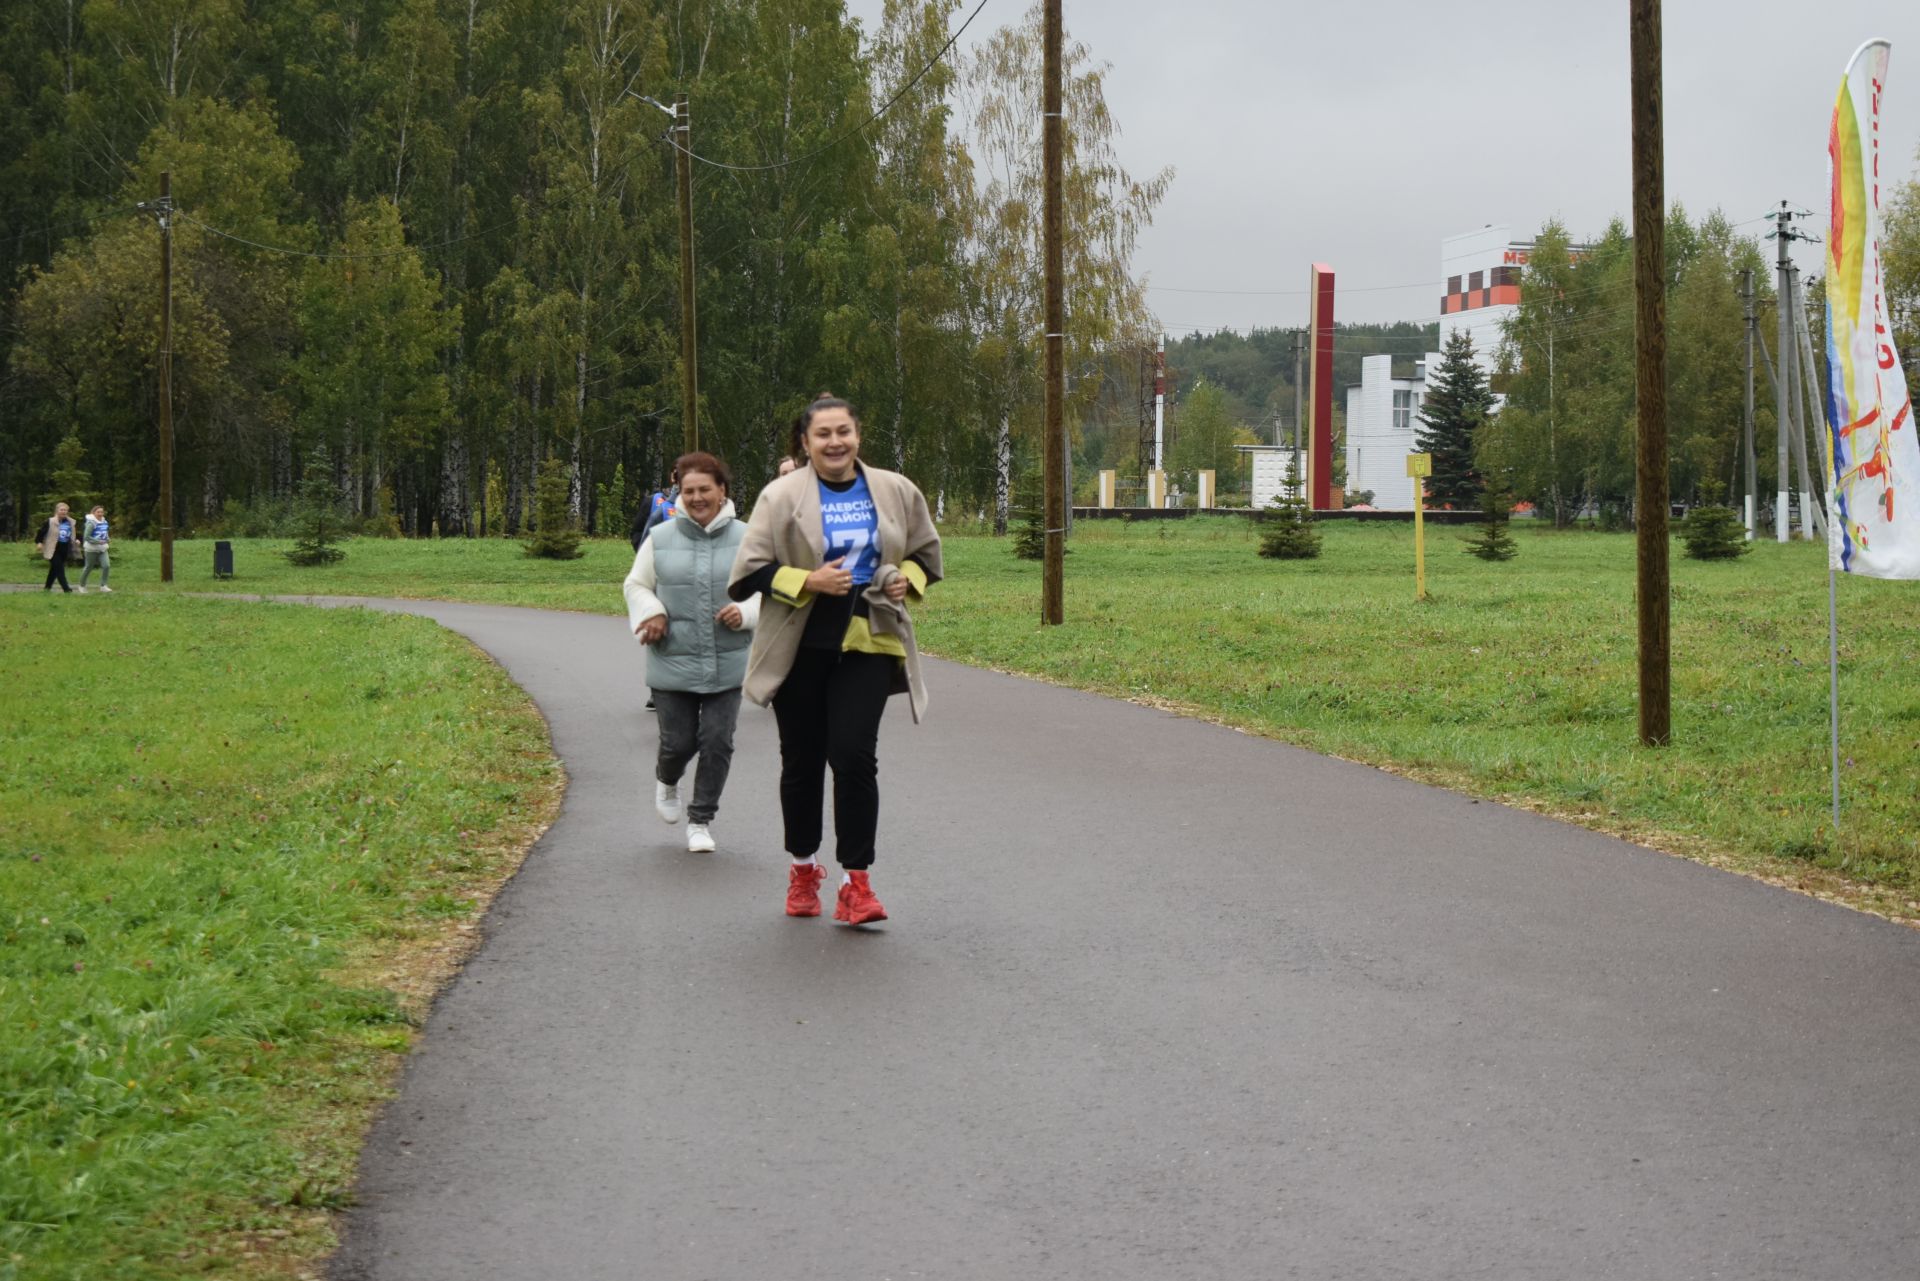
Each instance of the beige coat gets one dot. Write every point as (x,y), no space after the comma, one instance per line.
(50,539)
(786,530)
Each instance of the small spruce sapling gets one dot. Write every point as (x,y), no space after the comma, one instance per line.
(1494,542)
(1030,540)
(1711,531)
(1289,534)
(554,535)
(319,520)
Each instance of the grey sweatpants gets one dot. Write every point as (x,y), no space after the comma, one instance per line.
(96,560)
(699,724)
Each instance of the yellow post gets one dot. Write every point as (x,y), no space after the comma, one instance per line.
(1419,466)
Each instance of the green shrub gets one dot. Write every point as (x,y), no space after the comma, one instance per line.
(555,536)
(1711,531)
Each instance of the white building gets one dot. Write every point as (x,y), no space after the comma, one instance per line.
(1482,273)
(1381,422)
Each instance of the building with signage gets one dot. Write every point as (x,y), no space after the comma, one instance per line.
(1482,274)
(1481,270)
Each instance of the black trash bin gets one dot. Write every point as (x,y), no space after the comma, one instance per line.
(223,559)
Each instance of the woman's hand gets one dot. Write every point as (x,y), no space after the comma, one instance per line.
(652,630)
(830,579)
(896,588)
(730,618)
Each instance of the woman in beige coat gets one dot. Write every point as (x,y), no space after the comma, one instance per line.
(59,541)
(836,549)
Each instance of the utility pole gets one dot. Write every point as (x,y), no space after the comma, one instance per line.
(1052,603)
(1816,437)
(1783,392)
(689,348)
(1650,365)
(1811,523)
(164,208)
(1746,295)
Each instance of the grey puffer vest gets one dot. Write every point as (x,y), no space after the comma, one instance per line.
(699,654)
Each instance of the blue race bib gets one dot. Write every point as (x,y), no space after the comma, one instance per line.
(852,529)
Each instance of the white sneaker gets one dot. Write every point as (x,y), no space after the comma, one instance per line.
(699,839)
(105,588)
(82,589)
(666,801)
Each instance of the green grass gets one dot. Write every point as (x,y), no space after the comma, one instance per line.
(489,571)
(238,843)
(1514,680)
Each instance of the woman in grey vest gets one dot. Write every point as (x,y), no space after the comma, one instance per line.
(696,640)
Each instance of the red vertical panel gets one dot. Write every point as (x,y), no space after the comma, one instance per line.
(1320,467)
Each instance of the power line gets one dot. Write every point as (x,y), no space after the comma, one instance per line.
(918,76)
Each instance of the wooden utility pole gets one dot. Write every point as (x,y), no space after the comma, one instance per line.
(1650,363)
(689,349)
(1053,590)
(166,376)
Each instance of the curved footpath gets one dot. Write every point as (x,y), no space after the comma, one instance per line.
(1159,1000)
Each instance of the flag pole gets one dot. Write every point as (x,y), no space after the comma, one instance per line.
(1833,691)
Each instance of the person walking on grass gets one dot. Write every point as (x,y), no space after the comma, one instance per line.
(836,549)
(696,639)
(94,547)
(58,540)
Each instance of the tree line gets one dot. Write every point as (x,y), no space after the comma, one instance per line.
(438,240)
(1564,438)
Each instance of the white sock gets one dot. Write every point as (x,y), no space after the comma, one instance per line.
(846,878)
(808,861)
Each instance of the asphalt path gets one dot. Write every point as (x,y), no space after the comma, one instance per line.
(1158,1000)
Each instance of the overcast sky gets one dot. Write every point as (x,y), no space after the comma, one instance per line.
(1361,134)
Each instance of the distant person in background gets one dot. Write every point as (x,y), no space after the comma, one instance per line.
(696,640)
(95,549)
(796,455)
(662,507)
(836,549)
(58,540)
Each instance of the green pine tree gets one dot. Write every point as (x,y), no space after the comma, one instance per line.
(1457,405)
(1494,541)
(1030,540)
(320,521)
(70,483)
(554,536)
(1712,531)
(1289,533)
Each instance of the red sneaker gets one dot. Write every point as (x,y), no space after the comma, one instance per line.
(803,889)
(858,903)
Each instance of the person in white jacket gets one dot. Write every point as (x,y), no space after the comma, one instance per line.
(696,640)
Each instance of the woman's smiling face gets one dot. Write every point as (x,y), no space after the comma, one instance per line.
(701,496)
(833,442)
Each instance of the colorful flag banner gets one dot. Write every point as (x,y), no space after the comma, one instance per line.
(1873,457)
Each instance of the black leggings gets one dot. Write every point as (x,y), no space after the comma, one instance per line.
(57,569)
(829,710)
